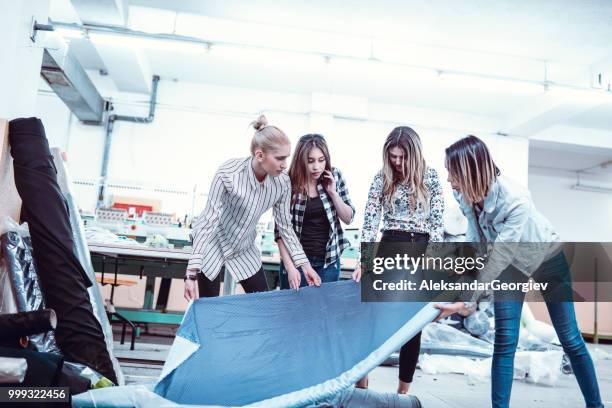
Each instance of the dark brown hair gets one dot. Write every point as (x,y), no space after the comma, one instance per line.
(298,169)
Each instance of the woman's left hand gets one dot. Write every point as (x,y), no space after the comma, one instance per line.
(329,182)
(451,308)
(312,277)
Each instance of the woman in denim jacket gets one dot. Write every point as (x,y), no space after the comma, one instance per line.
(523,245)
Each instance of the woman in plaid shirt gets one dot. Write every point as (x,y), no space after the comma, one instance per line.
(320,200)
(407,195)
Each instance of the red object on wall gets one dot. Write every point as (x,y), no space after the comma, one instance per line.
(136,207)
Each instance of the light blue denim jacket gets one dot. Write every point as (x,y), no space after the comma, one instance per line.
(515,232)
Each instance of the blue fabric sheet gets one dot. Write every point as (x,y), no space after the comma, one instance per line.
(284,348)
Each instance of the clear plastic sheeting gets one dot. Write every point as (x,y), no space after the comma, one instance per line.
(12,370)
(101,235)
(438,338)
(17,269)
(477,323)
(7,294)
(531,366)
(284,348)
(542,331)
(136,396)
(359,398)
(142,396)
(82,252)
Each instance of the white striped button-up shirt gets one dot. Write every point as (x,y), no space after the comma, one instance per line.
(225,232)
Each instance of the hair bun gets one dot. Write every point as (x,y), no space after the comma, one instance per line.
(260,122)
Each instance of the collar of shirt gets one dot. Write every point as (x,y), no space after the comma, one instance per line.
(252,178)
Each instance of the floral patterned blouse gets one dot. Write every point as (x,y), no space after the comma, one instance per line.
(398,214)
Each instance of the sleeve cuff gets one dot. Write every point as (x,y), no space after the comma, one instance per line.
(195,262)
(300,261)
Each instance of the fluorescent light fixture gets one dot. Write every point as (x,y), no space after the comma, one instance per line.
(592,189)
(489,84)
(137,42)
(69,33)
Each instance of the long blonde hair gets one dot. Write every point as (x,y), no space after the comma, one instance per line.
(413,166)
(471,166)
(266,137)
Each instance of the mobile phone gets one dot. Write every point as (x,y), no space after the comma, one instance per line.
(325,180)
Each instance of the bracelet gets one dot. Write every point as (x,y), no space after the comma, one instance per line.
(190,277)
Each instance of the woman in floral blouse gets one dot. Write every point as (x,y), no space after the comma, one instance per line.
(408,195)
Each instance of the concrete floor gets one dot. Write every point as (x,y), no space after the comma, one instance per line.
(438,391)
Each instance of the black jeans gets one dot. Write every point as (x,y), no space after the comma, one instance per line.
(409,353)
(255,283)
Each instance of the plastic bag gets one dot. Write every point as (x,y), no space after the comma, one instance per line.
(97,380)
(18,276)
(12,370)
(477,323)
(439,338)
(531,366)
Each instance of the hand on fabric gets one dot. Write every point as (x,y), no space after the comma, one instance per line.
(451,308)
(294,277)
(190,290)
(356,275)
(329,182)
(312,277)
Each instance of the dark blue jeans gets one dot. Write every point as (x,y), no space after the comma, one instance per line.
(329,274)
(507,326)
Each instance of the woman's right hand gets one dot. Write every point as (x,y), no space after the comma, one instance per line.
(356,275)
(190,289)
(294,277)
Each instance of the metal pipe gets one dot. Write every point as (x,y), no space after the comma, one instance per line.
(110,125)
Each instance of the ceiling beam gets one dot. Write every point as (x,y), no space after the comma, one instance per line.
(113,12)
(128,68)
(575,135)
(544,112)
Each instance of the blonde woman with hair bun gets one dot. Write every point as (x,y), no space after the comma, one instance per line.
(224,234)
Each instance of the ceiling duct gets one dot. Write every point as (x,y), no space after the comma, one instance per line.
(70,82)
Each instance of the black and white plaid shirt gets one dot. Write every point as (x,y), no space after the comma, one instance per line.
(336,242)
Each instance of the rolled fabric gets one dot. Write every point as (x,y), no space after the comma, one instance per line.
(63,280)
(16,325)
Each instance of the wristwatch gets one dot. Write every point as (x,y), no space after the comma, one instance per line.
(190,277)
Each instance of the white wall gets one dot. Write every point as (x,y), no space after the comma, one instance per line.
(21,58)
(199,126)
(576,215)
